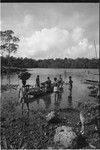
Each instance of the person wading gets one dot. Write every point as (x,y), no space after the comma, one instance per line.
(55,88)
(60,82)
(38,81)
(70,83)
(48,84)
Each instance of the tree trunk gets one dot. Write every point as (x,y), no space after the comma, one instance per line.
(9,81)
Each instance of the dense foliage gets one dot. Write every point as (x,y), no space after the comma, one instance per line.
(51,63)
(8,42)
(8,45)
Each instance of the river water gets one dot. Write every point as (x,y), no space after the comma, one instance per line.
(80,91)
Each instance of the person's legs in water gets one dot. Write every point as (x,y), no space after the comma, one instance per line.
(55,96)
(22,107)
(27,104)
(70,92)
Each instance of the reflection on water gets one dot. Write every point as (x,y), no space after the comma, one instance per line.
(65,99)
(47,100)
(58,100)
(65,74)
(70,99)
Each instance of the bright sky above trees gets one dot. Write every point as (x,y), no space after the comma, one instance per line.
(50,30)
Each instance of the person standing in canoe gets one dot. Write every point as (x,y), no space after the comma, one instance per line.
(37,81)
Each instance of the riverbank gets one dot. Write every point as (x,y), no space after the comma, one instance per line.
(30,130)
(4,70)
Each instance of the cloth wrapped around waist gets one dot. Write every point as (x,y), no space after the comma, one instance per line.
(55,89)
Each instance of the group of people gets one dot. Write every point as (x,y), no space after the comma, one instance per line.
(46,84)
(57,83)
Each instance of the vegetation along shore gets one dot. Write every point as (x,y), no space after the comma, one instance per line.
(50,63)
(5,69)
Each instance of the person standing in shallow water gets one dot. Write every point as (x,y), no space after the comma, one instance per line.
(70,83)
(48,84)
(37,81)
(60,81)
(55,84)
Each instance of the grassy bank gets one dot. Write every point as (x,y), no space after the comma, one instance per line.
(32,132)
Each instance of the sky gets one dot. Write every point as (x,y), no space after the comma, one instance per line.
(53,30)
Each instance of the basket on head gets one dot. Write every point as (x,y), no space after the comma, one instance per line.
(24,75)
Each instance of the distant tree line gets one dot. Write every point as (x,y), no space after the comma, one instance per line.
(50,63)
(9,45)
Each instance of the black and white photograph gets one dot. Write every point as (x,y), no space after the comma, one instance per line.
(50,88)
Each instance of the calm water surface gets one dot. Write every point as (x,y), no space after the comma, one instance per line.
(79,91)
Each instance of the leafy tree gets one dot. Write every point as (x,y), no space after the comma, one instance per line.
(8,43)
